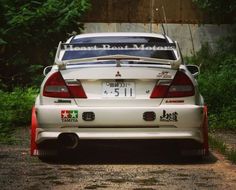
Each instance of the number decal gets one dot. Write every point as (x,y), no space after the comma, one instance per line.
(118,89)
(117,92)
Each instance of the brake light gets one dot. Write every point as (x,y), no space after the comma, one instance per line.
(161,89)
(76,89)
(181,86)
(56,87)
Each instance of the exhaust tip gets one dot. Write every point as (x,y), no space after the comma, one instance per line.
(68,140)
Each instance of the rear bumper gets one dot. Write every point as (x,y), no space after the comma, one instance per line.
(175,116)
(121,133)
(171,122)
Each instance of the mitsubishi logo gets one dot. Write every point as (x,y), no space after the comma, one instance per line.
(118,74)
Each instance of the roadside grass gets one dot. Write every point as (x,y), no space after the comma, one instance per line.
(13,136)
(7,138)
(15,112)
(6,134)
(221,146)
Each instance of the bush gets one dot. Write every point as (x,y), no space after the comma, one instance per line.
(217,81)
(218,89)
(15,110)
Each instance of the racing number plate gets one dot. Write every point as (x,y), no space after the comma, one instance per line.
(118,89)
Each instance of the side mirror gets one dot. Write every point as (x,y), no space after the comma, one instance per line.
(47,70)
(193,69)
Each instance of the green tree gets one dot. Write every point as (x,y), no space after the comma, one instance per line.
(29,32)
(220,10)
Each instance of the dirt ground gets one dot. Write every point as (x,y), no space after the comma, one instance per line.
(112,167)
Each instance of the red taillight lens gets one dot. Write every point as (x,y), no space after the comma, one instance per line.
(160,89)
(181,86)
(56,87)
(76,89)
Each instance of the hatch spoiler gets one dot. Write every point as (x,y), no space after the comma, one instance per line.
(118,57)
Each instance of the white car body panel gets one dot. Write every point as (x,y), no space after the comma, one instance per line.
(123,134)
(120,118)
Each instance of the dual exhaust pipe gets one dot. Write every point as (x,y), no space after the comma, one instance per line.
(68,141)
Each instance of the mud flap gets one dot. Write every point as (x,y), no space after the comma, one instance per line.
(203,150)
(205,131)
(34,149)
(34,125)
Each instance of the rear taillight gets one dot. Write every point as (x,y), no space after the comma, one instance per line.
(181,86)
(76,89)
(56,87)
(161,89)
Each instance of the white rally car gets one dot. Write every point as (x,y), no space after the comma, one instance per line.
(125,86)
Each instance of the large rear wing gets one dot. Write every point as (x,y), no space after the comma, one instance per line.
(80,48)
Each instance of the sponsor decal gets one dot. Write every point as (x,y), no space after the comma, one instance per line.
(69,115)
(119,46)
(174,101)
(147,91)
(62,101)
(164,75)
(169,116)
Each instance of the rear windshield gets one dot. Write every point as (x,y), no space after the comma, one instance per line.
(132,46)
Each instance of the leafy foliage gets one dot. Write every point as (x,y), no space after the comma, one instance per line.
(218,81)
(217,6)
(218,9)
(29,33)
(15,110)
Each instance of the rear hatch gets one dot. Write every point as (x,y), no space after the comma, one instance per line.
(119,86)
(122,71)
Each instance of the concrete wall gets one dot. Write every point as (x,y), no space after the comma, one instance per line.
(189,36)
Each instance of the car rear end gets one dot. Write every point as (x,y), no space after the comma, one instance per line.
(124,99)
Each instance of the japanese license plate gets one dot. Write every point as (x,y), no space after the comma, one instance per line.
(118,89)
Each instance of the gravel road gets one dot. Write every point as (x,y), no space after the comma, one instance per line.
(112,167)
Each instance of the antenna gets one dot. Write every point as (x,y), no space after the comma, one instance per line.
(163,28)
(162,25)
(164,14)
(152,14)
